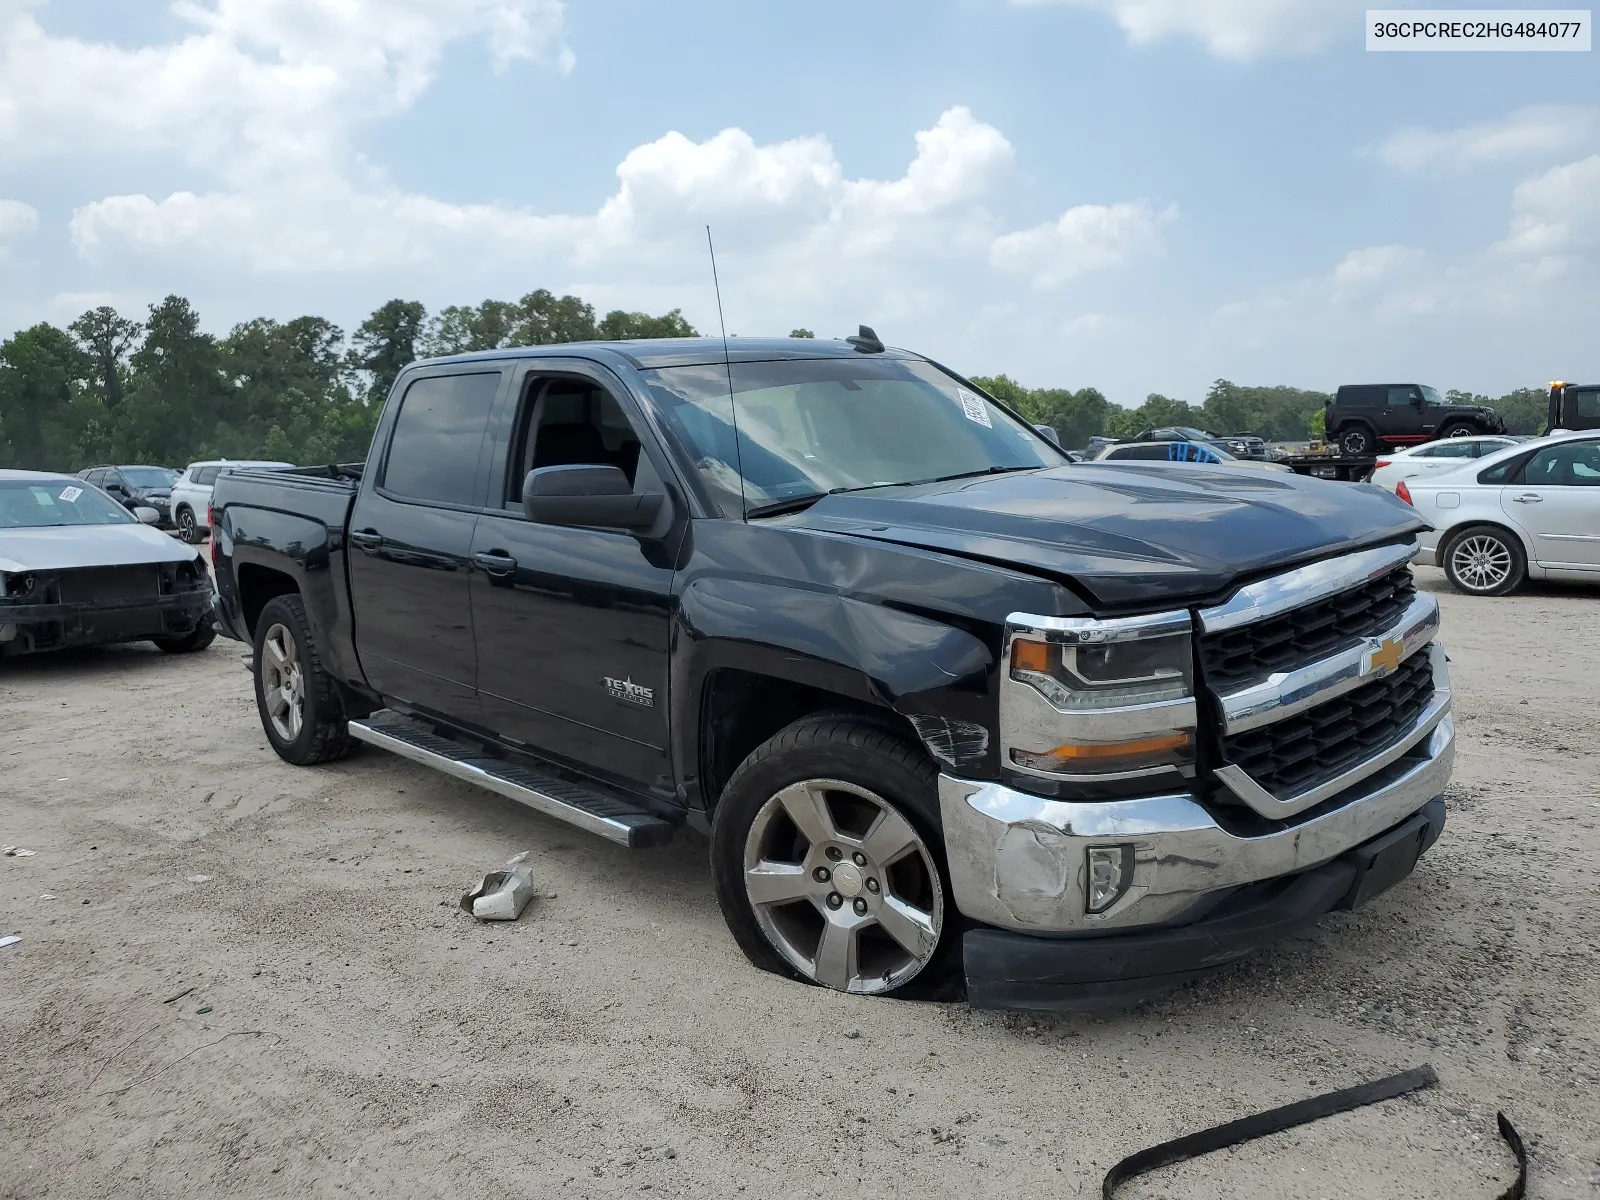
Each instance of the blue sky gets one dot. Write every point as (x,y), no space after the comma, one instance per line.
(1142,195)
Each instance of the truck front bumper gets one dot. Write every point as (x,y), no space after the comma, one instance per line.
(1201,894)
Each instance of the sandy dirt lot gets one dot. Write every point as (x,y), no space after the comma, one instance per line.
(350,1032)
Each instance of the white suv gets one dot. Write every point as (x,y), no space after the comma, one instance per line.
(191,495)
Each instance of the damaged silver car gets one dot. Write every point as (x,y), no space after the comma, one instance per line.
(78,569)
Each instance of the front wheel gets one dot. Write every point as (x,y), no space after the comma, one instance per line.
(188,528)
(829,865)
(1458,429)
(1485,561)
(296,697)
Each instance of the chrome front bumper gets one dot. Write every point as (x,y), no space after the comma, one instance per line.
(1018,861)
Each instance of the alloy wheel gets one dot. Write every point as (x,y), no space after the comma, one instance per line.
(843,886)
(1482,563)
(283,683)
(186,525)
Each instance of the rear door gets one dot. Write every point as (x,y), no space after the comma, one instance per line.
(572,623)
(1557,498)
(411,542)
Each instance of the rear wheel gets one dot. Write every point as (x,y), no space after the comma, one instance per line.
(188,527)
(1485,561)
(198,639)
(1458,429)
(296,697)
(829,864)
(1357,441)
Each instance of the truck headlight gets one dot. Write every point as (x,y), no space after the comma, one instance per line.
(1090,699)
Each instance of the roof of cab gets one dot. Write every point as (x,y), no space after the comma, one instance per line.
(683,352)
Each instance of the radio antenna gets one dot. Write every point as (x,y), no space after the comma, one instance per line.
(727,364)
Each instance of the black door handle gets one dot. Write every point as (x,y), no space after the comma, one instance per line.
(495,562)
(367,539)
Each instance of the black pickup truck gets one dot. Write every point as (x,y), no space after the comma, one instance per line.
(951,709)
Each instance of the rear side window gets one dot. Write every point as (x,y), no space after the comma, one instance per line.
(1155,451)
(1501,472)
(1452,449)
(206,476)
(1360,397)
(433,454)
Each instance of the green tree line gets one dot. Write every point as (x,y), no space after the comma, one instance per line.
(108,389)
(111,389)
(1279,414)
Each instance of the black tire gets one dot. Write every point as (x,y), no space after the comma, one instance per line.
(188,527)
(192,642)
(321,734)
(1471,557)
(1358,441)
(1459,429)
(857,750)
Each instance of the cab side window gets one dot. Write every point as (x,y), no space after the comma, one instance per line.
(564,422)
(438,437)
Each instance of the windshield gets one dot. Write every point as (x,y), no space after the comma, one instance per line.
(808,427)
(43,503)
(1431,397)
(149,477)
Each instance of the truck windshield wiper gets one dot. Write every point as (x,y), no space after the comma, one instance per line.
(966,475)
(793,504)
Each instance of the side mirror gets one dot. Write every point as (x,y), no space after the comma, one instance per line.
(587,495)
(147,516)
(1048,433)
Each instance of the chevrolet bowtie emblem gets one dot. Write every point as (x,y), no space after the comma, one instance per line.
(1383,656)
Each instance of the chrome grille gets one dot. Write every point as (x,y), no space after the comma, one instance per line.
(1237,657)
(1294,755)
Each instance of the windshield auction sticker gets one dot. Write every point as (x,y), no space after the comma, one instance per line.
(1479,28)
(974,407)
(70,494)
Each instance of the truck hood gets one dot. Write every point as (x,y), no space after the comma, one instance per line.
(1130,535)
(63,547)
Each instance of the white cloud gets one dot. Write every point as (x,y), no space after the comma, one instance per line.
(1089,237)
(17,217)
(255,79)
(1235,29)
(1541,130)
(1556,224)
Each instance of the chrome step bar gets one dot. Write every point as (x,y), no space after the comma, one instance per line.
(587,807)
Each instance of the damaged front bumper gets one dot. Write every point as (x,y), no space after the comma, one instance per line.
(30,627)
(1203,891)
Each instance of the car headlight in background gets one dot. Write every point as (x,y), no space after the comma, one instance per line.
(1095,700)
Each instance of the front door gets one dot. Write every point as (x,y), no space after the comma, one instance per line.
(1557,499)
(411,545)
(572,624)
(1402,416)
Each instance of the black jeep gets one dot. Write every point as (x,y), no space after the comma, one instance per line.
(1364,418)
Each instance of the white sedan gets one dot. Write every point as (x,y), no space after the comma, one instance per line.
(1529,511)
(1445,454)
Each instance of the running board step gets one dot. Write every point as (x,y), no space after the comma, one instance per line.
(587,807)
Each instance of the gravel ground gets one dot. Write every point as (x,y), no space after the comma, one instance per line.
(345,1029)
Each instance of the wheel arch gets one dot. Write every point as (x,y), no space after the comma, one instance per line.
(1452,532)
(759,656)
(259,585)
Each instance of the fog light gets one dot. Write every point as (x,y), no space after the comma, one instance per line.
(1110,873)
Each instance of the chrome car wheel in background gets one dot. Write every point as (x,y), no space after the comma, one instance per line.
(283,683)
(1481,562)
(843,887)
